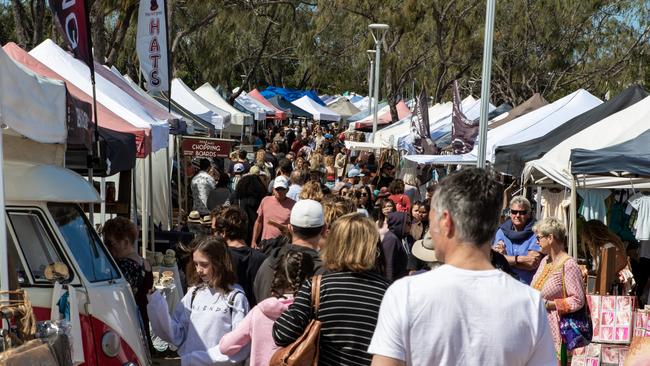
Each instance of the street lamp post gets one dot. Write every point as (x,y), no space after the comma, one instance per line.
(371,53)
(378,32)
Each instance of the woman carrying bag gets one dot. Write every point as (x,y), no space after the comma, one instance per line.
(349,297)
(559,279)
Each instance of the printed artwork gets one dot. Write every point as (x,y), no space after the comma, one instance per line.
(596,354)
(612,318)
(642,323)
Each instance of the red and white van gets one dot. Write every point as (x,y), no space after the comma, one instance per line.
(45,225)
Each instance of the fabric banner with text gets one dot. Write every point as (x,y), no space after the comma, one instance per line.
(151,44)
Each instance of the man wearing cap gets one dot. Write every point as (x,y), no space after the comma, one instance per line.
(354,176)
(274,211)
(465,312)
(307,225)
(202,184)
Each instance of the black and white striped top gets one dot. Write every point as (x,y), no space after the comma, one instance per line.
(349,307)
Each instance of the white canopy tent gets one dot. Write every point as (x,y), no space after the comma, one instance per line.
(109,94)
(186,97)
(251,103)
(34,107)
(554,166)
(238,120)
(527,127)
(319,112)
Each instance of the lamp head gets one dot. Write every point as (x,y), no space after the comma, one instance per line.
(378,31)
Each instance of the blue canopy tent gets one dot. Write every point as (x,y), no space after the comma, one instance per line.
(290,94)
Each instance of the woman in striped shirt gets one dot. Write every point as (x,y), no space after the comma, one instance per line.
(350,295)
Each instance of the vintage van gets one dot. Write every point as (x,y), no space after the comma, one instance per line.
(45,225)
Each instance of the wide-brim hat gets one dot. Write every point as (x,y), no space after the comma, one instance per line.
(423,249)
(194,217)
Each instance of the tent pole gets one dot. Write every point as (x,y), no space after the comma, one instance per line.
(168,177)
(179,200)
(144,218)
(538,211)
(102,205)
(485,83)
(573,240)
(152,221)
(4,251)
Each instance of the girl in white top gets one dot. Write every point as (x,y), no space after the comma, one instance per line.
(211,308)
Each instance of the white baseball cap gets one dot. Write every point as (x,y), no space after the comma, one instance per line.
(238,168)
(307,214)
(281,182)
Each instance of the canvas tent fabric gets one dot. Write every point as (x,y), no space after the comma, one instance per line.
(199,126)
(278,114)
(442,125)
(319,112)
(384,116)
(245,103)
(631,157)
(186,97)
(366,112)
(524,128)
(290,94)
(178,125)
(511,158)
(77,73)
(531,104)
(118,148)
(36,106)
(296,112)
(344,108)
(107,118)
(617,128)
(238,118)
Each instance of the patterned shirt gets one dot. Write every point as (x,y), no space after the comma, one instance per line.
(202,184)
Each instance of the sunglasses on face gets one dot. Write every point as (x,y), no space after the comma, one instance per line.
(539,237)
(518,212)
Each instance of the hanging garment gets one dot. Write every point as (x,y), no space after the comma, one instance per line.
(554,204)
(641,203)
(593,204)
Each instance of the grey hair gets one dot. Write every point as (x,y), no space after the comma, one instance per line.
(520,200)
(297,177)
(551,226)
(473,198)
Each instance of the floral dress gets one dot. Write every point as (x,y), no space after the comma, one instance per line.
(548,280)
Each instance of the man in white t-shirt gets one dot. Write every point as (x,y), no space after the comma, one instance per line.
(466,312)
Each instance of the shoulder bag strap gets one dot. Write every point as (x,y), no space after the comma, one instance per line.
(315,294)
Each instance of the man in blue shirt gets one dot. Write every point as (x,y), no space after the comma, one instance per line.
(516,240)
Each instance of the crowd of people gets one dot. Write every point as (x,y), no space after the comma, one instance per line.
(408,273)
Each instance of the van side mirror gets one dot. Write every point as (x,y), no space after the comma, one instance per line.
(57,272)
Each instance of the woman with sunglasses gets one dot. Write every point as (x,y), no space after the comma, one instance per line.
(516,240)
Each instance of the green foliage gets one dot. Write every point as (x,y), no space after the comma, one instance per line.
(547,46)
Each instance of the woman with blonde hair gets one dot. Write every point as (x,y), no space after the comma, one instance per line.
(311,191)
(350,295)
(558,278)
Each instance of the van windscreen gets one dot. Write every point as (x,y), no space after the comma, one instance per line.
(84,243)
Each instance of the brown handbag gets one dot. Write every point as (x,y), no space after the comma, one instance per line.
(304,350)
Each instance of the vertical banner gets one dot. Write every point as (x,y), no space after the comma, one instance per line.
(72,19)
(151,44)
(420,126)
(463,131)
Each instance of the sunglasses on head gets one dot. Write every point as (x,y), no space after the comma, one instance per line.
(518,212)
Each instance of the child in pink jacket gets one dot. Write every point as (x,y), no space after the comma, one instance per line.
(257,327)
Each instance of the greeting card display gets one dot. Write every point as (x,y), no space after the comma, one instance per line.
(642,323)
(612,318)
(596,354)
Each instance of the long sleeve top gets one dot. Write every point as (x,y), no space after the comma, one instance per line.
(256,329)
(197,325)
(349,307)
(549,282)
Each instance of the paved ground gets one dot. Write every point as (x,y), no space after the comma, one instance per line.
(166,361)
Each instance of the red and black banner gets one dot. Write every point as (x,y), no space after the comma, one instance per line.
(463,130)
(420,126)
(74,23)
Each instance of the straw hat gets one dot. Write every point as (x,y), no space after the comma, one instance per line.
(423,249)
(194,218)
